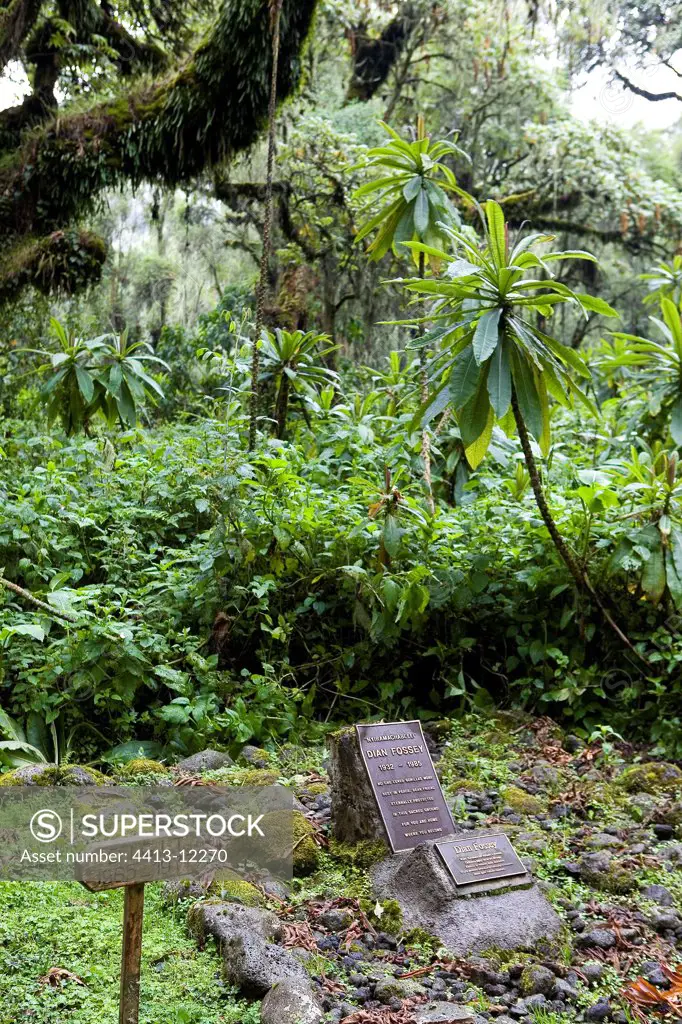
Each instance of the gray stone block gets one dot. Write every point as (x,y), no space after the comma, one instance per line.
(205,761)
(291,1002)
(419,881)
(355,815)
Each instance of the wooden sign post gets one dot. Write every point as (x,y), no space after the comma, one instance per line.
(131,953)
(133,913)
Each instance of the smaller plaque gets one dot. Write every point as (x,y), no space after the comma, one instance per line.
(479,863)
(404,783)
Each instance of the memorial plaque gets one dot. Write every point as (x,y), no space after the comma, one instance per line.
(404,782)
(477,863)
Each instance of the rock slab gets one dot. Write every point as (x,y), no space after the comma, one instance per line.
(419,881)
(355,814)
(252,960)
(205,761)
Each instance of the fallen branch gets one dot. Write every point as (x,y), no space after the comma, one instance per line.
(28,596)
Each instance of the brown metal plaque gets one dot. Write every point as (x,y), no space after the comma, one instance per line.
(404,782)
(479,862)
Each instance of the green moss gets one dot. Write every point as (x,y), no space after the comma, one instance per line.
(462,785)
(390,919)
(236,890)
(64,262)
(522,802)
(54,775)
(421,939)
(143,766)
(617,880)
(654,777)
(359,855)
(316,789)
(259,777)
(282,828)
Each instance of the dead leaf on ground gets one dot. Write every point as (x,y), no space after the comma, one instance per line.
(641,994)
(298,933)
(56,976)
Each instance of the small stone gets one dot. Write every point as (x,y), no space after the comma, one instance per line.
(599,1011)
(665,920)
(603,841)
(653,973)
(532,1002)
(291,1001)
(336,920)
(659,894)
(444,1013)
(595,863)
(254,756)
(387,988)
(602,938)
(562,990)
(592,972)
(663,832)
(537,979)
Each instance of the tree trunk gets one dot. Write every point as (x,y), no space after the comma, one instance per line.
(424,395)
(577,572)
(276,13)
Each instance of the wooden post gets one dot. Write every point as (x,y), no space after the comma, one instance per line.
(133,911)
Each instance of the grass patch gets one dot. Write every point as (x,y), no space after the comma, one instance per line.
(46,925)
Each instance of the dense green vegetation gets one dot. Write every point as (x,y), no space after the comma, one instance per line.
(453,481)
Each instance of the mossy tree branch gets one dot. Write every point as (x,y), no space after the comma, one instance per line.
(17,18)
(167,131)
(64,261)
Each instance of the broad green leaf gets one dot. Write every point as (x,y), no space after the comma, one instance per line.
(570,254)
(544,438)
(404,231)
(499,380)
(671,315)
(596,305)
(29,629)
(486,335)
(421,212)
(391,535)
(10,727)
(86,384)
(673,578)
(475,452)
(464,378)
(566,355)
(653,575)
(496,231)
(676,421)
(472,419)
(413,188)
(527,395)
(434,407)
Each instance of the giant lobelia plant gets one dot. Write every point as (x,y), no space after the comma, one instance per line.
(414,206)
(495,363)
